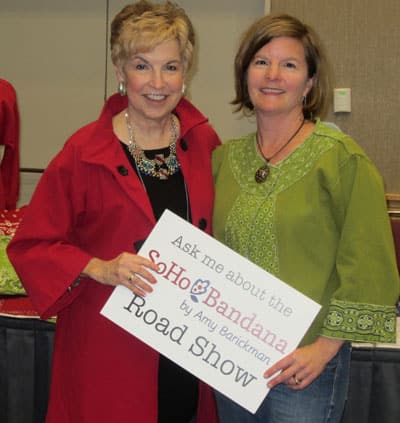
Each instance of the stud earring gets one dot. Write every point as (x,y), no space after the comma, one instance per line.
(121,88)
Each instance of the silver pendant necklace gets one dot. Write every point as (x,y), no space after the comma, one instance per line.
(262,172)
(160,167)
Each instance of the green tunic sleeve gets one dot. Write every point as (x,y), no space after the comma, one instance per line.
(363,306)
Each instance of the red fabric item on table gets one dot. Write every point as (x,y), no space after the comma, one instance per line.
(395,222)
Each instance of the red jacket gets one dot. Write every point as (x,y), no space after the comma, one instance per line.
(9,138)
(90,203)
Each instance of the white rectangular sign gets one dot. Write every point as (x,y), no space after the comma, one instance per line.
(212,311)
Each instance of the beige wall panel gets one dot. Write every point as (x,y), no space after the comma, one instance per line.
(362,42)
(53,53)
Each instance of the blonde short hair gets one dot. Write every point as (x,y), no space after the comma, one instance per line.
(141,26)
(260,33)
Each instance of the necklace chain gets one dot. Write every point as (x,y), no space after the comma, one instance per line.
(160,167)
(262,173)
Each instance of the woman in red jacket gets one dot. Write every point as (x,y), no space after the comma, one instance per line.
(96,203)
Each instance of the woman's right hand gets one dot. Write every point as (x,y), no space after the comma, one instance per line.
(127,269)
(301,367)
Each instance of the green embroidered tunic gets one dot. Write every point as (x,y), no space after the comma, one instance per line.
(319,223)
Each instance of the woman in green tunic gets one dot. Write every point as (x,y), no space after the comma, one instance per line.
(304,202)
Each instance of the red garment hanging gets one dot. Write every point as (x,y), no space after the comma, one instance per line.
(9,138)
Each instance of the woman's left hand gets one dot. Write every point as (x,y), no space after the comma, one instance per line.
(303,365)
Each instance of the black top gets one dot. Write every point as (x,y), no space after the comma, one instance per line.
(177,389)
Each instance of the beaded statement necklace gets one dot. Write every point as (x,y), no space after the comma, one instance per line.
(160,167)
(262,172)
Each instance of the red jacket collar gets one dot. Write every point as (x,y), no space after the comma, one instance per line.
(101,136)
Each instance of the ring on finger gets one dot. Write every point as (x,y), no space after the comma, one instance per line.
(131,276)
(296,380)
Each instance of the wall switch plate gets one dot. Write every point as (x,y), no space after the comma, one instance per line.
(342,100)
